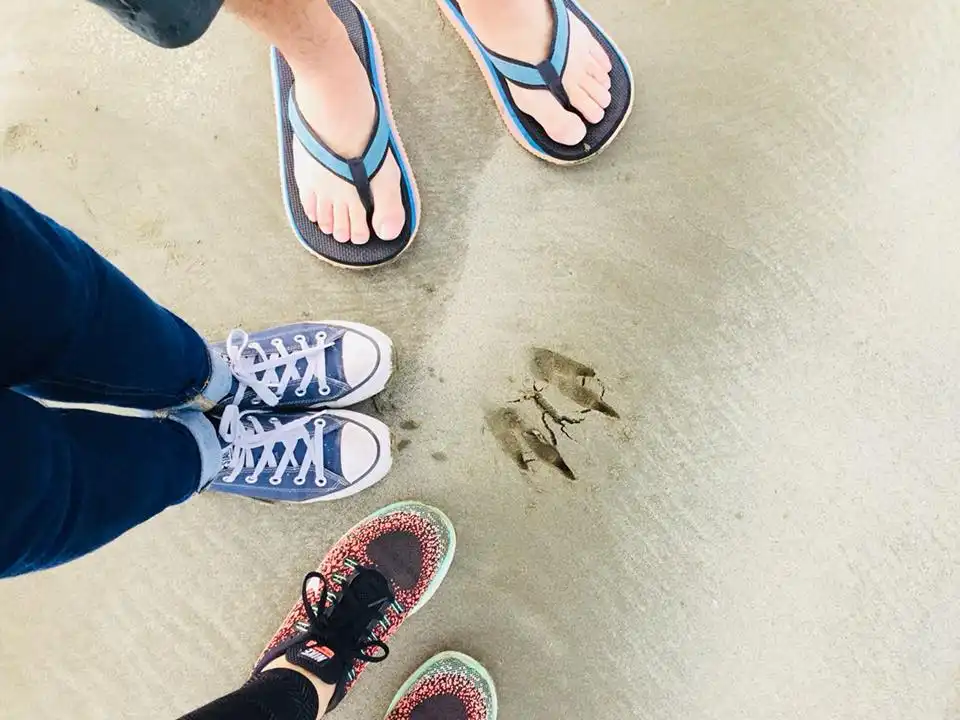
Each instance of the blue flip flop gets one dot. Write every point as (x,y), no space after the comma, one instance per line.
(501,71)
(356,171)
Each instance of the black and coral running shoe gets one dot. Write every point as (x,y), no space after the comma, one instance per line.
(449,686)
(376,576)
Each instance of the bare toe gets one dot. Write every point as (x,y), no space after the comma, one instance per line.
(599,94)
(309,202)
(598,73)
(325,216)
(599,54)
(389,216)
(562,126)
(587,106)
(341,222)
(359,230)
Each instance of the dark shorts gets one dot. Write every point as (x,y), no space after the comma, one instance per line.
(167,23)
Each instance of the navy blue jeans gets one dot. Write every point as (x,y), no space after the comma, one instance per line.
(74,329)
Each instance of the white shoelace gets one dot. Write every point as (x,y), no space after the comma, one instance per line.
(246,433)
(277,369)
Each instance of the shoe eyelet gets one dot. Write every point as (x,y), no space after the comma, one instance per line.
(278,344)
(275,480)
(321,336)
(319,423)
(251,480)
(255,401)
(299,481)
(300,392)
(325,390)
(316,481)
(300,338)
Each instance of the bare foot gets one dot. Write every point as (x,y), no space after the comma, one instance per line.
(335,98)
(522,30)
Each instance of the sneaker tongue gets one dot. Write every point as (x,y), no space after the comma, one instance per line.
(362,601)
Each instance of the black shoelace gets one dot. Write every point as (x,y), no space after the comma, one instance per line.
(344,625)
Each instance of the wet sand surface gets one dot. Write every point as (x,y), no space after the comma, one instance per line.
(762,272)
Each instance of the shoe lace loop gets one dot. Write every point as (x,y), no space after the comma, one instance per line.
(247,434)
(271,372)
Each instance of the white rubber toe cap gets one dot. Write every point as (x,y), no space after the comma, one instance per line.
(359,451)
(365,452)
(367,362)
(361,358)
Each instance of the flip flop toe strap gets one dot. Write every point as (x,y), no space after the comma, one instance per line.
(356,171)
(361,180)
(549,73)
(554,84)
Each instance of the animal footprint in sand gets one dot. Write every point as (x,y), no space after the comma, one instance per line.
(514,434)
(569,377)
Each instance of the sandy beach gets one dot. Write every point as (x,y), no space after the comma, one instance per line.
(761,271)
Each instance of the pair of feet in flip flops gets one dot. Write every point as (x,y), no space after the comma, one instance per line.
(353,202)
(376,576)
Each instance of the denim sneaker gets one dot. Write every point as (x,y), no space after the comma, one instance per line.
(300,457)
(330,364)
(375,577)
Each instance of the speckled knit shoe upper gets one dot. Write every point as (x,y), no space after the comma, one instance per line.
(377,575)
(449,686)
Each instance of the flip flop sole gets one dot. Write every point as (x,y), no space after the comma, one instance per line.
(376,252)
(525,129)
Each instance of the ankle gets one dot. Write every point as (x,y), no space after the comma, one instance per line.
(205,434)
(220,383)
(313,55)
(301,29)
(324,690)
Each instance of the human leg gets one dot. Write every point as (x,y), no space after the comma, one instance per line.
(382,571)
(334,95)
(80,331)
(276,694)
(449,686)
(74,480)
